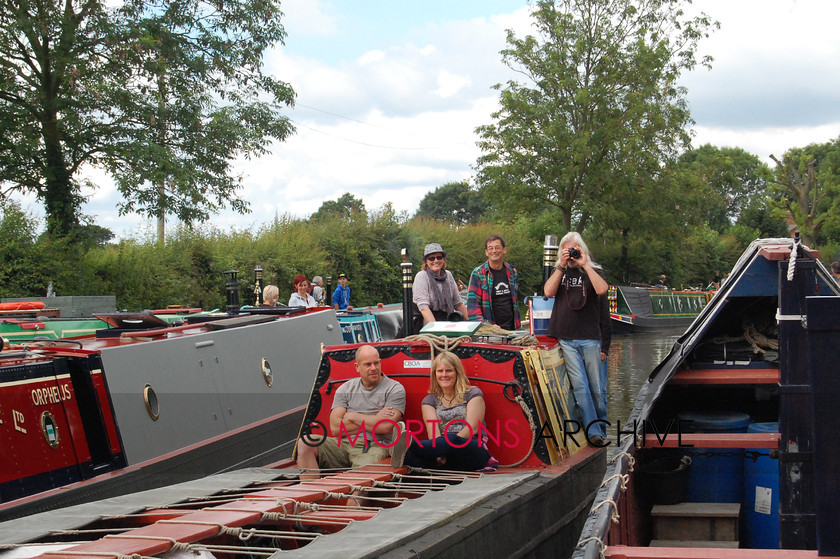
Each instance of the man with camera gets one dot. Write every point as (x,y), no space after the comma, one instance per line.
(578,285)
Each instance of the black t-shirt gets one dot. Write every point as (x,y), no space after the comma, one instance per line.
(577,308)
(501,299)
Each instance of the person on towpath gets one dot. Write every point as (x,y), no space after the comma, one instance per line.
(367,408)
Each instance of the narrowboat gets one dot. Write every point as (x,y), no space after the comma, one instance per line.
(730,450)
(144,404)
(533,505)
(57,327)
(641,309)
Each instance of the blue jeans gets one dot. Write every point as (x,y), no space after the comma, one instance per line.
(467,458)
(602,378)
(583,365)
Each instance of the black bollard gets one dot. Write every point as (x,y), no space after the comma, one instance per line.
(329,292)
(550,252)
(407,284)
(232,288)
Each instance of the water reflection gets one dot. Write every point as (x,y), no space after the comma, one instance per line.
(631,359)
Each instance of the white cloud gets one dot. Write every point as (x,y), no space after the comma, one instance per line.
(449,84)
(388,120)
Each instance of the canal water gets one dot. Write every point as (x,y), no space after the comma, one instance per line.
(631,359)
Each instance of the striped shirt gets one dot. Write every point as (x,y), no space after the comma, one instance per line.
(479,296)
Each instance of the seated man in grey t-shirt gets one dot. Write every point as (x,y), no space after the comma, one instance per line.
(364,413)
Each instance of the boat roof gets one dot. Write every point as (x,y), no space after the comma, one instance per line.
(134,328)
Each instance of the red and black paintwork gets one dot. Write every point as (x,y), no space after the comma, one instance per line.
(179,403)
(56,421)
(498,370)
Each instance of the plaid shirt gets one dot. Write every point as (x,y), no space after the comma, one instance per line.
(479,298)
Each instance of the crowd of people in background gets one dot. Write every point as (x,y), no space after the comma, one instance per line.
(309,294)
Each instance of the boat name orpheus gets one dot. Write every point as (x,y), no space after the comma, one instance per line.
(51,395)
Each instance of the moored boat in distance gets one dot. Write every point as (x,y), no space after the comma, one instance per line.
(147,404)
(730,450)
(648,309)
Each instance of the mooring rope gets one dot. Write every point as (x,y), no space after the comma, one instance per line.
(792,261)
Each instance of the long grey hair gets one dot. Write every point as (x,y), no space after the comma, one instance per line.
(575,237)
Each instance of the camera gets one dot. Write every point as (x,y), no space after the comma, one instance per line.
(574,253)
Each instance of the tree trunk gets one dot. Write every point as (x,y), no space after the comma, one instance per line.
(59,198)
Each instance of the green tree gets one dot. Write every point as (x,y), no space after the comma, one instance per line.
(600,105)
(53,60)
(164,95)
(192,97)
(346,206)
(454,202)
(807,188)
(727,181)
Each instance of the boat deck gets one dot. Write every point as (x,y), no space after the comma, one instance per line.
(264,510)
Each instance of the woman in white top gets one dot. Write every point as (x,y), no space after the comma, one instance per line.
(301,297)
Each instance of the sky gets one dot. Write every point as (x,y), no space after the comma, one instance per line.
(389,94)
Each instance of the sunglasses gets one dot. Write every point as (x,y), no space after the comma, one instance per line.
(433,258)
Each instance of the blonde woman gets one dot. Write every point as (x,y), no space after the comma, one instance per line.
(454,416)
(271,295)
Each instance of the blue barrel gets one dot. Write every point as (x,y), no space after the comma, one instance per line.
(540,309)
(761,496)
(715,479)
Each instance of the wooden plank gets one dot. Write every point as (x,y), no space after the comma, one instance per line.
(712,440)
(238,321)
(726,376)
(698,509)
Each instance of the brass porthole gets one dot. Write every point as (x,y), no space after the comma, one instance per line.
(50,429)
(151,399)
(266,371)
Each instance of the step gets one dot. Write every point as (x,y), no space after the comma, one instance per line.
(711,440)
(693,543)
(696,522)
(726,376)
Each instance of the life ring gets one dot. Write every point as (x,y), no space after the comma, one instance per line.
(22,306)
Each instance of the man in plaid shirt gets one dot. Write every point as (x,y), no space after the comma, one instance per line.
(492,295)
